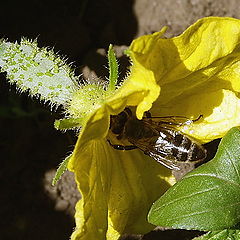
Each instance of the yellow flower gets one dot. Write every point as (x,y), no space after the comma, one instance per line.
(195,73)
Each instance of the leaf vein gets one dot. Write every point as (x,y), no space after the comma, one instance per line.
(205,211)
(188,196)
(214,176)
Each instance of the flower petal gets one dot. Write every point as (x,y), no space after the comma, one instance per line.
(195,72)
(117,187)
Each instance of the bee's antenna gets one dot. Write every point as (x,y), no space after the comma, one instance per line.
(128,111)
(199,117)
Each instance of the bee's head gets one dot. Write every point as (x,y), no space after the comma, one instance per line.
(117,122)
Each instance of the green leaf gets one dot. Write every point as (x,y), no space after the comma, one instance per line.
(207,198)
(227,234)
(113,69)
(61,169)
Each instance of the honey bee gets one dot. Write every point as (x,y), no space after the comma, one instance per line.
(157,137)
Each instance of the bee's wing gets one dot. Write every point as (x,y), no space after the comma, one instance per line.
(160,156)
(167,161)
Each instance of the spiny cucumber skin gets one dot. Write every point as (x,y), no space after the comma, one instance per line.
(37,70)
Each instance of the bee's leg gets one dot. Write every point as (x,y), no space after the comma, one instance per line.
(121,147)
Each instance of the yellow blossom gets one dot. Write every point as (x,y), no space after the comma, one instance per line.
(196,73)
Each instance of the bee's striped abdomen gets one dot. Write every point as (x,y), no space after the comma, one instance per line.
(185,150)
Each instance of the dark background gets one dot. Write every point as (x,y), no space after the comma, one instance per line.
(30,146)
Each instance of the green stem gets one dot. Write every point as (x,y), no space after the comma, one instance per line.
(113,69)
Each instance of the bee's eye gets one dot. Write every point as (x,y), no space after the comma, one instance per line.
(122,117)
(117,123)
